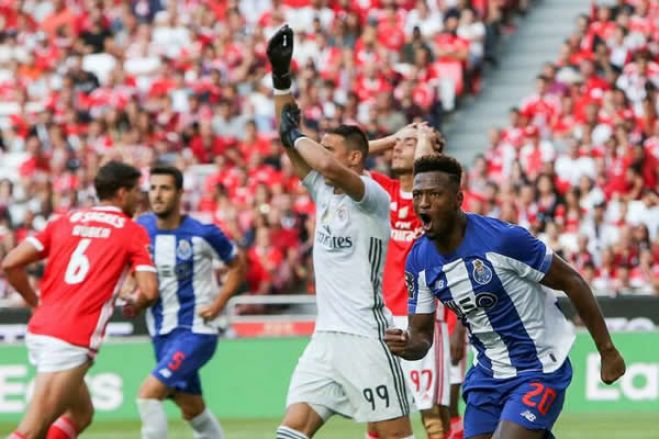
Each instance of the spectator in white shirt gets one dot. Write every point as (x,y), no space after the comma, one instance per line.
(570,167)
(474,31)
(429,22)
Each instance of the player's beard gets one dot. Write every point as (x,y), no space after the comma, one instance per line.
(399,171)
(166,212)
(402,165)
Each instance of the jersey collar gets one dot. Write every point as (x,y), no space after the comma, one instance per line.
(107,208)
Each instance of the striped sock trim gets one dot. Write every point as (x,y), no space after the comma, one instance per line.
(284,432)
(67,426)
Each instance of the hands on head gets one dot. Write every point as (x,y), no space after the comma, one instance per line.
(423,133)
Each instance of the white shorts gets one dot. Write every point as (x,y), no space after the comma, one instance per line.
(50,354)
(354,376)
(428,378)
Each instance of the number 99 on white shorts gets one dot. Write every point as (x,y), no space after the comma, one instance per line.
(351,375)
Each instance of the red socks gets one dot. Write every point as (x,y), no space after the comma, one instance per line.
(62,428)
(457,429)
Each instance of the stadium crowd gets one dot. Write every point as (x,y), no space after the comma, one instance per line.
(579,162)
(185,83)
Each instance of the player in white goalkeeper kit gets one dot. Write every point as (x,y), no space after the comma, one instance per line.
(346,368)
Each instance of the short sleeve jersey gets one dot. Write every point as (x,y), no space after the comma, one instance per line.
(349,250)
(492,282)
(89,253)
(184,258)
(405,228)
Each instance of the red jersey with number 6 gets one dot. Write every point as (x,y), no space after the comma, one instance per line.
(89,253)
(405,228)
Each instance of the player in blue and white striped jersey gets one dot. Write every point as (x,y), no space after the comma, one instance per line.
(181,322)
(490,273)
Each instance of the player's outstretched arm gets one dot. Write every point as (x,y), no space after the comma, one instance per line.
(305,154)
(413,343)
(14,267)
(234,278)
(280,54)
(317,157)
(561,276)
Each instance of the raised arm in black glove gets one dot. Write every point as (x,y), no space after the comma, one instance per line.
(280,52)
(289,126)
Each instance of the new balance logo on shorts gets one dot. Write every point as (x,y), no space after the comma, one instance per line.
(528,415)
(165,372)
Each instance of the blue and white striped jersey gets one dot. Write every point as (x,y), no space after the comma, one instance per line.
(184,259)
(491,281)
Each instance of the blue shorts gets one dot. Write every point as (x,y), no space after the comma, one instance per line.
(532,400)
(179,356)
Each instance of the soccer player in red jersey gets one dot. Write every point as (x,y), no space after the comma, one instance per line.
(428,378)
(89,252)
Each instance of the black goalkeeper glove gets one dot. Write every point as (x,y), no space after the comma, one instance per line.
(289,125)
(280,52)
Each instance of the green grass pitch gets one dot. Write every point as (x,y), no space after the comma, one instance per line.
(569,426)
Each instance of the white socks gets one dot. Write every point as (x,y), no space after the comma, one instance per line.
(206,426)
(154,420)
(284,432)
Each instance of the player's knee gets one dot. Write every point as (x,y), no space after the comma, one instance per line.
(285,432)
(151,388)
(83,418)
(400,431)
(371,432)
(191,411)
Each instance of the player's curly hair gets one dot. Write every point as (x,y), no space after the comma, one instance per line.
(438,141)
(439,163)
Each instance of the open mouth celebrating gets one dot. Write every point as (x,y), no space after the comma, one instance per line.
(426,220)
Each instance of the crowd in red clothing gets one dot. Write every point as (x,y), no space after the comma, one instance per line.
(579,162)
(186,82)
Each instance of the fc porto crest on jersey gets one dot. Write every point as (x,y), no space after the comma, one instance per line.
(184,249)
(481,272)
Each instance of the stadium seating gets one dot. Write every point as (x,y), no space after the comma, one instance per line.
(82,82)
(579,163)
